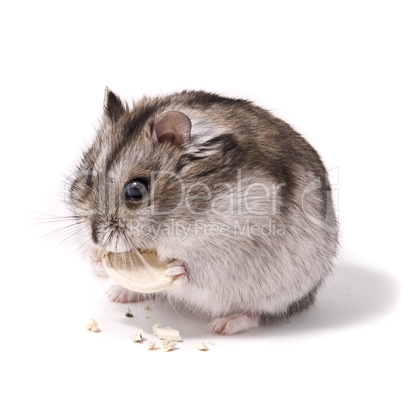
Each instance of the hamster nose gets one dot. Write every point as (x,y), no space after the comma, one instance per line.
(117,222)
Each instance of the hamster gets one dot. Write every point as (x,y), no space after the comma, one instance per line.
(235,199)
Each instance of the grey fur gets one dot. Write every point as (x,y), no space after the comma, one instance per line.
(236,148)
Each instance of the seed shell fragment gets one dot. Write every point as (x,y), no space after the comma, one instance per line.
(168,345)
(201,346)
(166,333)
(137,335)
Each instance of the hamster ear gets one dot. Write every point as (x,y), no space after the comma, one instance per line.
(112,105)
(173,127)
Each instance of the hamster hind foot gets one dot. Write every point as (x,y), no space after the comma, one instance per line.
(118,294)
(234,323)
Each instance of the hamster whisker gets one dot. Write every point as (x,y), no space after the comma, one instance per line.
(68,233)
(130,245)
(107,242)
(73,227)
(51,216)
(85,245)
(55,220)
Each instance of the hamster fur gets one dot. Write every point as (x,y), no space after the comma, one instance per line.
(237,200)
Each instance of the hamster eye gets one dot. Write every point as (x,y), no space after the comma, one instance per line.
(89,175)
(136,190)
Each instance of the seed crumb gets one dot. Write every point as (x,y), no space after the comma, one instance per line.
(147,308)
(168,345)
(151,345)
(201,346)
(146,316)
(92,326)
(137,335)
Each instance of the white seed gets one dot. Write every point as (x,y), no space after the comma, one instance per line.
(92,325)
(128,312)
(138,270)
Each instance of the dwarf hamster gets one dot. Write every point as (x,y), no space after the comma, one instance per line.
(235,199)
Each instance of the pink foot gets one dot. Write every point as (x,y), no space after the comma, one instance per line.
(96,263)
(177,270)
(118,294)
(233,324)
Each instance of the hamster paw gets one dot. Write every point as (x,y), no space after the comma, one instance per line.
(177,270)
(96,264)
(233,324)
(118,294)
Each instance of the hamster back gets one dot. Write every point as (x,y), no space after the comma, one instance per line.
(233,197)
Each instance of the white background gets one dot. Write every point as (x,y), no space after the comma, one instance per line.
(331,69)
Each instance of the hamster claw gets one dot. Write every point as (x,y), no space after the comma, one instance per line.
(177,270)
(233,324)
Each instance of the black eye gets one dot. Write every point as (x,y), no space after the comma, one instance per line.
(136,190)
(89,175)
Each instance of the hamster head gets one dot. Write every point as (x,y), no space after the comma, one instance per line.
(126,186)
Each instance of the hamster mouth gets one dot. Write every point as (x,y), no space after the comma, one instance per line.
(100,254)
(144,252)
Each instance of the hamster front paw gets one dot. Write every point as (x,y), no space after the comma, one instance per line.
(233,324)
(96,263)
(118,294)
(177,270)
